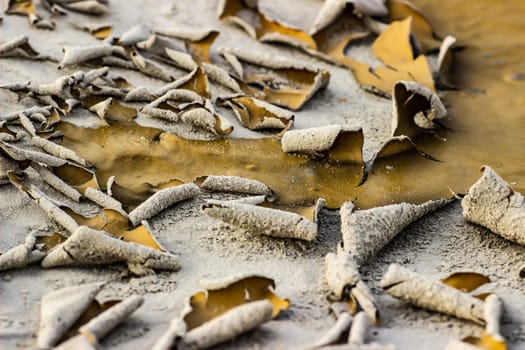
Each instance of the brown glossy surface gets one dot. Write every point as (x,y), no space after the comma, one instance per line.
(136,155)
(486,118)
(487,114)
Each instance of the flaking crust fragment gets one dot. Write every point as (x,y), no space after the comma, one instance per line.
(97,328)
(431,295)
(335,142)
(58,150)
(493,312)
(52,210)
(91,247)
(104,200)
(266,221)
(341,273)
(57,183)
(60,309)
(232,323)
(162,200)
(332,9)
(340,327)
(366,232)
(235,184)
(76,55)
(415,108)
(491,202)
(22,255)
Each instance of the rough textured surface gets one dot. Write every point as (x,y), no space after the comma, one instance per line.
(229,325)
(341,272)
(234,184)
(104,200)
(87,247)
(432,295)
(60,309)
(97,328)
(267,221)
(340,327)
(492,203)
(21,255)
(435,245)
(359,330)
(366,232)
(162,200)
(310,140)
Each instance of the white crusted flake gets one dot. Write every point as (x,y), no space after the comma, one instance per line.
(234,184)
(431,295)
(91,247)
(21,255)
(366,232)
(162,200)
(232,323)
(492,203)
(267,221)
(60,309)
(97,328)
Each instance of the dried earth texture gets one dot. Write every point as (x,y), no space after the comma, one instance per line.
(486,118)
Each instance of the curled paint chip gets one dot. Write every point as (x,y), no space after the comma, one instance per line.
(415,108)
(104,200)
(134,35)
(247,15)
(366,232)
(57,183)
(207,119)
(148,66)
(58,150)
(60,309)
(493,312)
(446,61)
(91,247)
(98,30)
(340,327)
(22,255)
(258,115)
(334,8)
(266,221)
(227,326)
(162,200)
(46,204)
(432,295)
(491,202)
(283,82)
(20,47)
(341,273)
(224,294)
(76,55)
(172,336)
(331,141)
(359,329)
(345,283)
(98,327)
(234,184)
(491,338)
(114,112)
(92,7)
